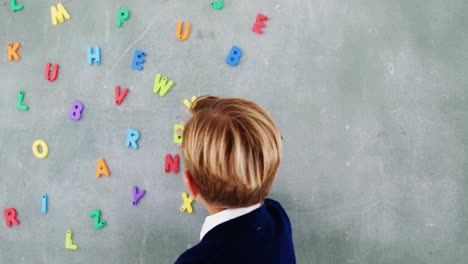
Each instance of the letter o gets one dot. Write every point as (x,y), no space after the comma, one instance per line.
(35,148)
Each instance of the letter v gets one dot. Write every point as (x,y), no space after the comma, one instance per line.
(119,97)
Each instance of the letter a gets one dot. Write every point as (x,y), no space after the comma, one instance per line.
(59,14)
(101,168)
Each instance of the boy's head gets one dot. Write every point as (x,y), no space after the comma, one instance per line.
(232,151)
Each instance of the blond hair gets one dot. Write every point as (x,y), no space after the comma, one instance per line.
(232,148)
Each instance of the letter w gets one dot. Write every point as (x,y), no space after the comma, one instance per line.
(161,85)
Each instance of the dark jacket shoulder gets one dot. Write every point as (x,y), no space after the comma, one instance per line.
(261,236)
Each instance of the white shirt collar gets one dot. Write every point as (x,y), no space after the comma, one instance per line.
(212,221)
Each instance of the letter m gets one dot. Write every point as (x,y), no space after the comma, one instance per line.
(59,14)
(161,85)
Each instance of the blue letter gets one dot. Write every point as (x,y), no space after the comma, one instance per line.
(138,59)
(94,55)
(132,137)
(44,203)
(234,56)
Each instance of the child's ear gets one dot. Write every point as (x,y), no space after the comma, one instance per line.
(191,185)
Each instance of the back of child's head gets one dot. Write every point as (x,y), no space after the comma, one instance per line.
(232,149)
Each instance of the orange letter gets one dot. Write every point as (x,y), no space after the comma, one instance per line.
(179,34)
(13,51)
(101,168)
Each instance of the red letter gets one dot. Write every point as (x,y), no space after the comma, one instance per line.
(55,68)
(119,97)
(10,217)
(172,163)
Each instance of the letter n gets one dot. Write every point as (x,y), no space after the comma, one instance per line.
(171,163)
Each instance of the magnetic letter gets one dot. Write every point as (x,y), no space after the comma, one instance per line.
(76,110)
(15,7)
(187,206)
(37,151)
(218,4)
(171,163)
(132,137)
(68,241)
(19,102)
(59,14)
(119,97)
(98,224)
(10,217)
(44,203)
(137,195)
(186,33)
(259,24)
(188,103)
(234,56)
(101,168)
(138,60)
(12,51)
(178,133)
(122,15)
(51,74)
(94,55)
(161,85)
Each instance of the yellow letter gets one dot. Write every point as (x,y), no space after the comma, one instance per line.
(59,14)
(35,148)
(161,84)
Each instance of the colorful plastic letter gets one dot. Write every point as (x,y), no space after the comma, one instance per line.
(120,96)
(218,4)
(137,195)
(178,133)
(12,51)
(132,137)
(45,203)
(259,24)
(188,103)
(76,110)
(68,241)
(234,56)
(19,102)
(161,85)
(122,15)
(171,163)
(40,154)
(187,206)
(101,168)
(186,33)
(51,68)
(98,224)
(15,6)
(10,217)
(138,59)
(94,55)
(59,14)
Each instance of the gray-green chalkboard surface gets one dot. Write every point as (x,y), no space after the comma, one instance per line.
(371,98)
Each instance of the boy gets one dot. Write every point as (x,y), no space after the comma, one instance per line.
(232,151)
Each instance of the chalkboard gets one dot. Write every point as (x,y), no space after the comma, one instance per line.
(370,96)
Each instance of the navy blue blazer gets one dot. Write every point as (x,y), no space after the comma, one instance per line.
(261,236)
